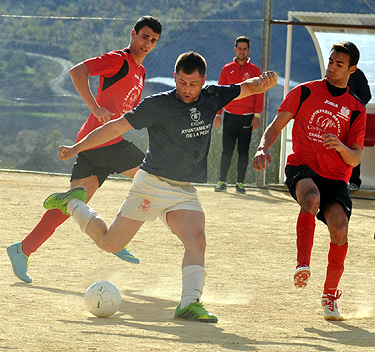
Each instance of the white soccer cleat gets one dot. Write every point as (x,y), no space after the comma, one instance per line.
(329,304)
(301,276)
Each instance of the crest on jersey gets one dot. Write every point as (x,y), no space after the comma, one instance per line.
(246,76)
(195,114)
(131,99)
(345,111)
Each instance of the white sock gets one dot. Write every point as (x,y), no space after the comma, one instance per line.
(81,213)
(192,284)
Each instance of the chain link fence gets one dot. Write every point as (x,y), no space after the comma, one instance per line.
(40,108)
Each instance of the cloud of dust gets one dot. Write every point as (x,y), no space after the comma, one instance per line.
(362,312)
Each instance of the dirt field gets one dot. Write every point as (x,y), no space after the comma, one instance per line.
(250,262)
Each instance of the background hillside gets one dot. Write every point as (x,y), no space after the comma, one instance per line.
(42,39)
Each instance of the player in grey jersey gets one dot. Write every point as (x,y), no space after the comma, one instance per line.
(177,156)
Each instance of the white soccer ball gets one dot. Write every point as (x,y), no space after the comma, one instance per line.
(102,299)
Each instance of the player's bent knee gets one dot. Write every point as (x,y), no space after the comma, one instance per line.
(310,202)
(195,242)
(339,236)
(339,240)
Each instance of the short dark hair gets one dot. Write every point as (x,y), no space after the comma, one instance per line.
(148,21)
(242,39)
(347,48)
(190,62)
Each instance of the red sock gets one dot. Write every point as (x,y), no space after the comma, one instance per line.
(335,268)
(305,237)
(43,230)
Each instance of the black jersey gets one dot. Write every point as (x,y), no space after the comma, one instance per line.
(180,133)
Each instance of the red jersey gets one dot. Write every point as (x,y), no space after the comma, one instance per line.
(316,111)
(120,87)
(233,73)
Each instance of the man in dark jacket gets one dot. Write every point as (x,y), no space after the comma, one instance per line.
(359,86)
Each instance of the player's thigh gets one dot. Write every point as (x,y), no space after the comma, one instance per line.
(308,195)
(230,132)
(337,222)
(131,173)
(91,184)
(188,226)
(244,134)
(122,230)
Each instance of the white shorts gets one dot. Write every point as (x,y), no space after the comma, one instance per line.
(152,196)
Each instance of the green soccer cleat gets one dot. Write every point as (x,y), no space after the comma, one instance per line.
(195,311)
(240,188)
(61,200)
(220,187)
(127,256)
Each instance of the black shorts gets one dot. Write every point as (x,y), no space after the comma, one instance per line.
(104,161)
(331,191)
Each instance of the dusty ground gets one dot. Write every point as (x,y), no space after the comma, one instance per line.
(250,262)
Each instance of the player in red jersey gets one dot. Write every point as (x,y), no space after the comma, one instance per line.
(241,116)
(121,80)
(328,137)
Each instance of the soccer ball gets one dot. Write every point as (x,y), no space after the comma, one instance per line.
(102,299)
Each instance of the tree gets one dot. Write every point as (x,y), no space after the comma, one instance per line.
(34,151)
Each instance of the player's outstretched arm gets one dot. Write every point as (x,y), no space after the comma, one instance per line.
(258,85)
(269,137)
(100,135)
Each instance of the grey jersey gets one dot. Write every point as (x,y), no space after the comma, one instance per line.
(180,133)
